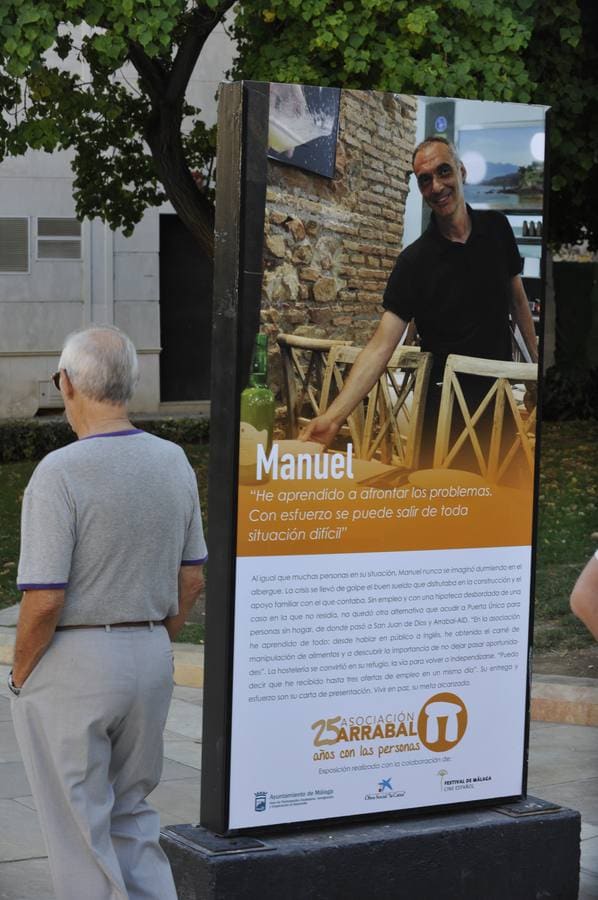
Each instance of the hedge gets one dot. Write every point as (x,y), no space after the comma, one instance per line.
(33,438)
(570,393)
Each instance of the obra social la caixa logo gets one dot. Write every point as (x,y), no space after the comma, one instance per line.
(440,725)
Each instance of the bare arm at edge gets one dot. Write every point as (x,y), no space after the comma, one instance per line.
(191,582)
(38,617)
(368,367)
(522,317)
(584,599)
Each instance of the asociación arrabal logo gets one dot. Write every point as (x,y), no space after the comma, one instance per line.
(442,722)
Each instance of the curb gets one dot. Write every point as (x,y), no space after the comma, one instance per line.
(188,665)
(564,700)
(555,698)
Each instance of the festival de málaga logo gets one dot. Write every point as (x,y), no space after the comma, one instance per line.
(465,783)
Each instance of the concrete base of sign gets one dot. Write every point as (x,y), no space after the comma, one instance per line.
(466,855)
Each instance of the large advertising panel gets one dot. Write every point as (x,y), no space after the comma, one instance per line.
(385,499)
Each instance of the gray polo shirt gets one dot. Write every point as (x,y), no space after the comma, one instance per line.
(111,518)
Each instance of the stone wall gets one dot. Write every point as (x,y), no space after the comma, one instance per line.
(330,244)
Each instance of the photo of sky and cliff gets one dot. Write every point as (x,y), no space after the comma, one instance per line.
(505,166)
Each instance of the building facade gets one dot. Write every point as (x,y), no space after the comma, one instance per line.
(57,275)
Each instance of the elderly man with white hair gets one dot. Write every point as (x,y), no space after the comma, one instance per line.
(111,562)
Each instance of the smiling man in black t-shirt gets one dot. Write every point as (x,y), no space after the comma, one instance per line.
(459,281)
(459,294)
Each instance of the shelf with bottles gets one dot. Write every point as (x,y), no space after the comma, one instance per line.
(527,225)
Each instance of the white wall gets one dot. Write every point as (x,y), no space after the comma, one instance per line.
(116,281)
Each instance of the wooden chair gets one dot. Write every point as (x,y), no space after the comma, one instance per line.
(304,361)
(387,424)
(492,458)
(519,349)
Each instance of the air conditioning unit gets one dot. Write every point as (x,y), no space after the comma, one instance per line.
(48,396)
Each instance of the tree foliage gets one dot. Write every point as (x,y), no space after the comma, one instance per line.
(464,48)
(562,60)
(107,80)
(528,51)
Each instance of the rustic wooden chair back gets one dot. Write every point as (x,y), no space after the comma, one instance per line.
(304,362)
(518,347)
(387,424)
(502,376)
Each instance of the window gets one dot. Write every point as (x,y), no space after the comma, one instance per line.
(14,245)
(58,239)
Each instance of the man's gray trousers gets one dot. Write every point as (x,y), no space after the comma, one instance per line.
(89,722)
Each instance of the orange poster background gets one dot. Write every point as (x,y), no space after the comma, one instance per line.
(501,520)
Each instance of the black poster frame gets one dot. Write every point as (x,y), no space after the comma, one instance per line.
(239,231)
(239,239)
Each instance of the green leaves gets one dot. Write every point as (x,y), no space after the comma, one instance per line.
(571,35)
(563,67)
(418,21)
(527,51)
(29,14)
(93,107)
(435,47)
(521,50)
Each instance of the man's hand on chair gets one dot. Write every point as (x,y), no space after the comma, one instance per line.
(322,429)
(530,399)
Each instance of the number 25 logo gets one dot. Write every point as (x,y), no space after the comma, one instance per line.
(326,725)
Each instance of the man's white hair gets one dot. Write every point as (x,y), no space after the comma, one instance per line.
(101,362)
(437,139)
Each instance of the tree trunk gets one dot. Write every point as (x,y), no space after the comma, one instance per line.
(163,135)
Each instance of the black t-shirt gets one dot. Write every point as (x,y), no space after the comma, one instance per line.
(458,294)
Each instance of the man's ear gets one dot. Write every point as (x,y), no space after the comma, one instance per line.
(463,173)
(67,385)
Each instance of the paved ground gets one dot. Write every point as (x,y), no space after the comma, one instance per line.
(563,768)
(24,873)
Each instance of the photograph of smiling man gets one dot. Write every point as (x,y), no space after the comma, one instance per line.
(459,282)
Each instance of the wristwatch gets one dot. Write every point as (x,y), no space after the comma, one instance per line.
(16,690)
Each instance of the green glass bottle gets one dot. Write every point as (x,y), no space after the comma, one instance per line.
(257,414)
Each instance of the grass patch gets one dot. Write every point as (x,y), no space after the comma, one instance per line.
(568,492)
(560,637)
(567,517)
(13,480)
(193,633)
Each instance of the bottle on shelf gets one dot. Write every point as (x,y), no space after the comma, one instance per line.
(257,414)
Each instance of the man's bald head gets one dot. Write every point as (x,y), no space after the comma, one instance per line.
(101,362)
(433,139)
